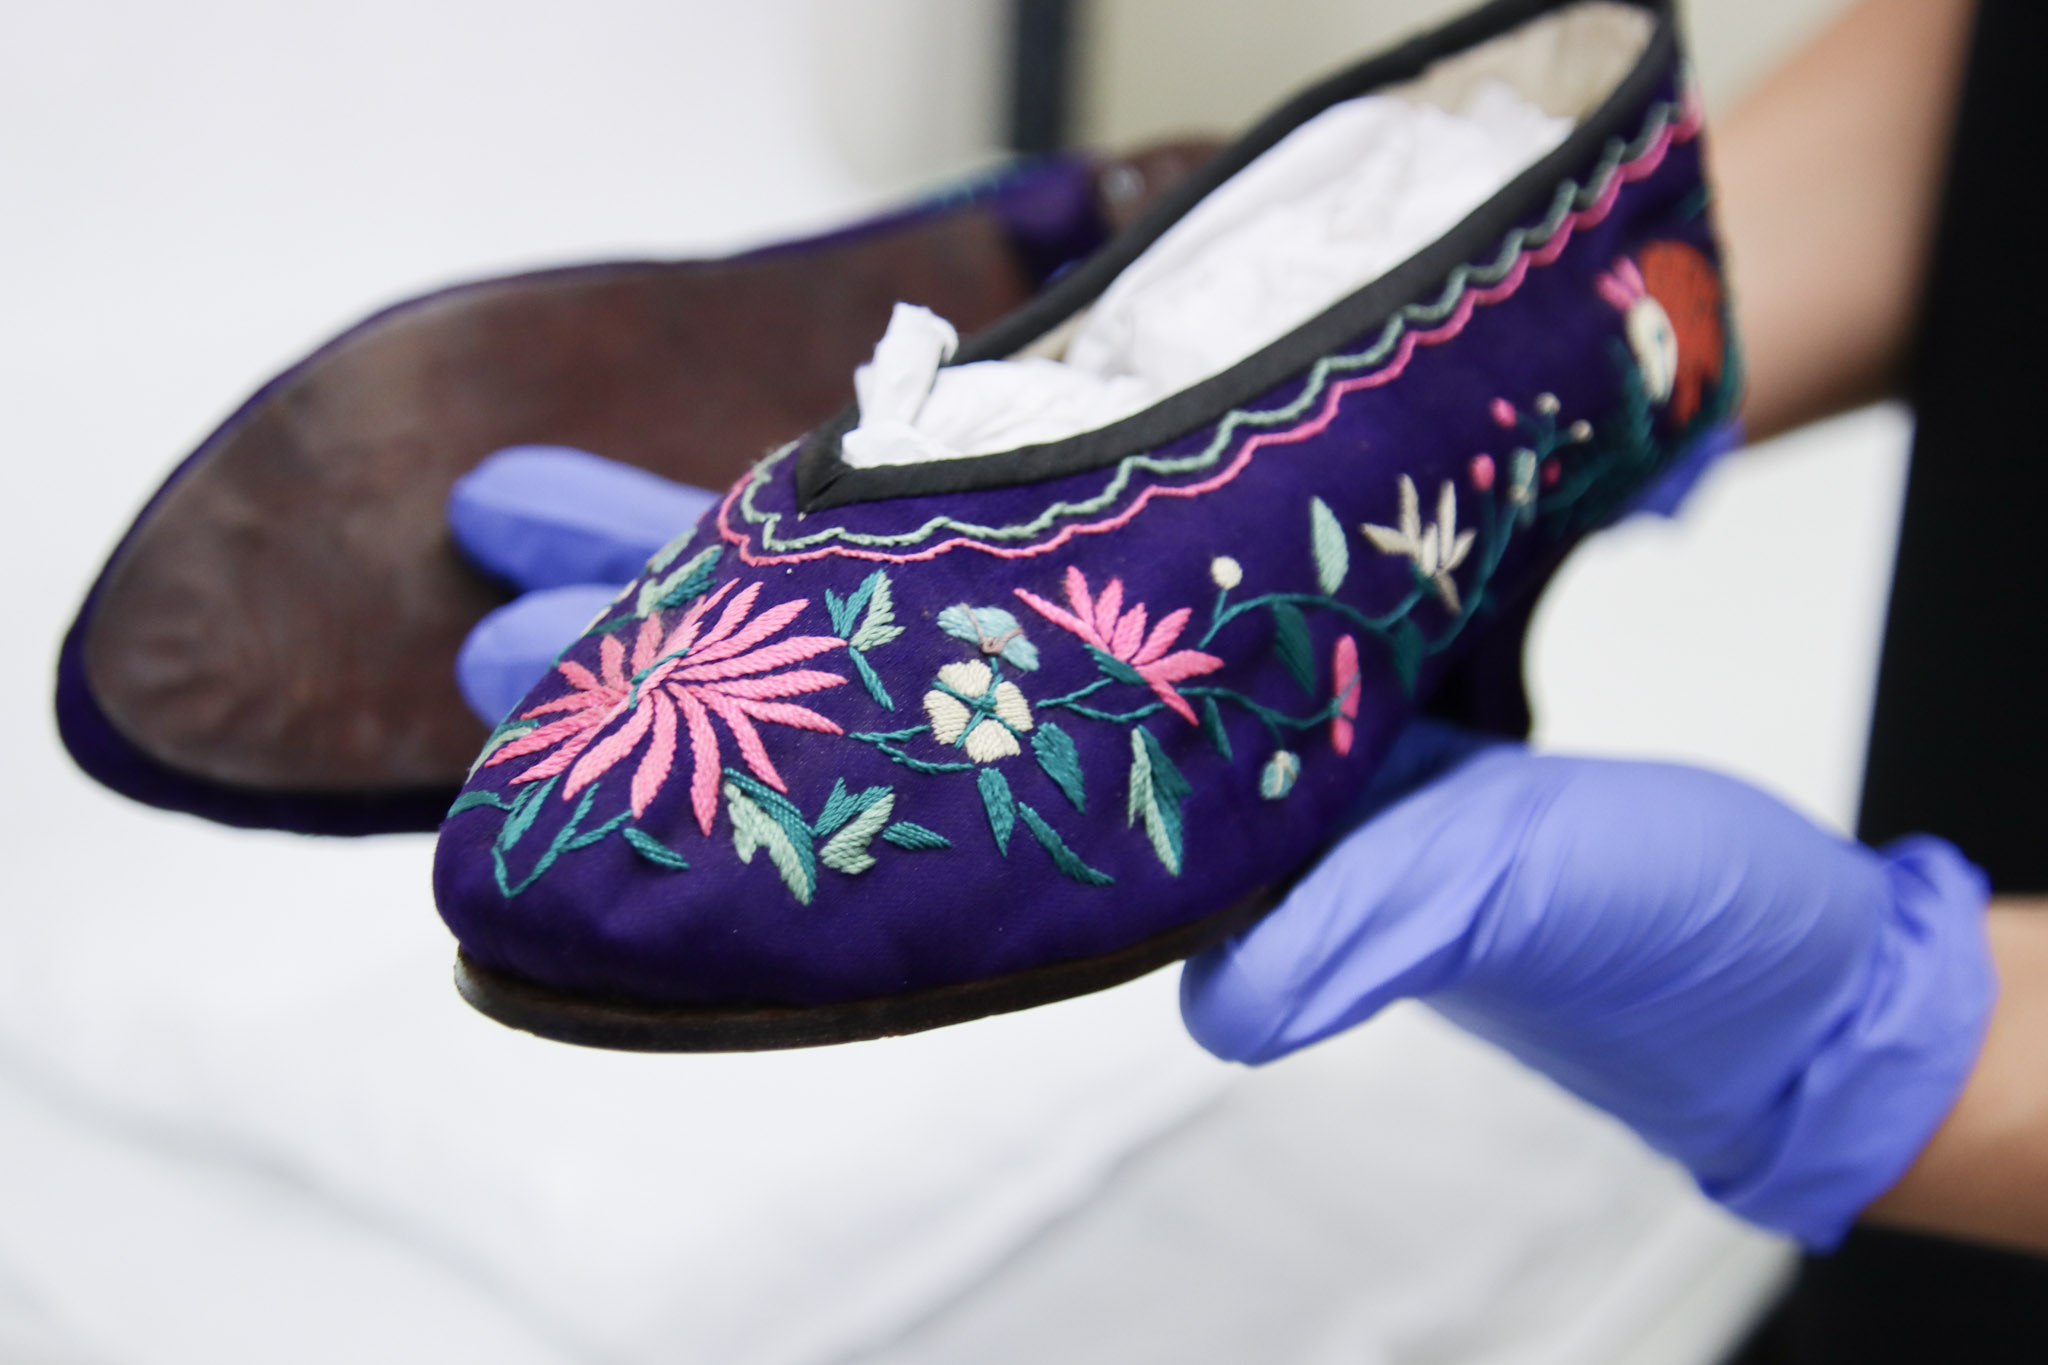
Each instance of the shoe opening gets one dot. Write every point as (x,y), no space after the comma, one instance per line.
(1336,204)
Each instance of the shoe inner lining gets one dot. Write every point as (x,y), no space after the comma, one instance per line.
(1341,200)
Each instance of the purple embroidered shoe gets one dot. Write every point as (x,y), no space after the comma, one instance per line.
(882,747)
(272,643)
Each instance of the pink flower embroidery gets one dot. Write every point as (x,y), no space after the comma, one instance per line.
(1344,683)
(683,678)
(1120,634)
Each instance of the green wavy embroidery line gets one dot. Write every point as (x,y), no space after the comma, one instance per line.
(1569,199)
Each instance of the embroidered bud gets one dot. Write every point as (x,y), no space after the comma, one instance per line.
(1276,779)
(1552,472)
(1546,403)
(1226,572)
(1524,476)
(1482,472)
(1581,430)
(1504,414)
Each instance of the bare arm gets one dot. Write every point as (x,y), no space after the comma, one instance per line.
(1830,176)
(1985,1174)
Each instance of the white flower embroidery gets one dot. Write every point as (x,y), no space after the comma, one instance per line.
(1225,572)
(962,703)
(1435,549)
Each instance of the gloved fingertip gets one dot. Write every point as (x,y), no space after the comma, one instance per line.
(512,648)
(1224,1011)
(555,516)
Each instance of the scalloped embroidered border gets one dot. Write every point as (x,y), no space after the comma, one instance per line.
(1467,288)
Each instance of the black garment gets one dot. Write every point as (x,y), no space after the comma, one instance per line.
(1959,737)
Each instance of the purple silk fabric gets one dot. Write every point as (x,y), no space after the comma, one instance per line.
(606,919)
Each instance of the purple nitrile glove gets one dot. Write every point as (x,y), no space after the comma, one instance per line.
(1787,1013)
(568,528)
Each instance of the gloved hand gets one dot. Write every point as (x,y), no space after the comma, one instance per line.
(568,529)
(1789,1014)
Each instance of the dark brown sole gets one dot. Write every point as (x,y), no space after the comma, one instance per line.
(624,1027)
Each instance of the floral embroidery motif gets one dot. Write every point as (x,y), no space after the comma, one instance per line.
(1670,301)
(992,631)
(877,627)
(689,675)
(1437,548)
(968,706)
(1548,473)
(1120,643)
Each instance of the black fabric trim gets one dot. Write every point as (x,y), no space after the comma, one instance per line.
(824,480)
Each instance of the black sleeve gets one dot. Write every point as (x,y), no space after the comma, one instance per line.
(1959,736)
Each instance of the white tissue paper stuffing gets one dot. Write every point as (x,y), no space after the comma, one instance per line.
(1334,205)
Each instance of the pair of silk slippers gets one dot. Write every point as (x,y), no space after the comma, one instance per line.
(875,748)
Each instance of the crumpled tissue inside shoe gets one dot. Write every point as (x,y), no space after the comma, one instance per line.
(1337,203)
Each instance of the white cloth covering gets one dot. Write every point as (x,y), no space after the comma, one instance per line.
(1335,204)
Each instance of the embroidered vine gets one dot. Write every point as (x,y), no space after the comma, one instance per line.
(683,669)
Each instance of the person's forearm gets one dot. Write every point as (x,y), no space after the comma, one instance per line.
(1985,1174)
(1830,176)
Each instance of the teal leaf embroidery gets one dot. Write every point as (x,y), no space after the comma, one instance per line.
(1277,778)
(1326,538)
(1157,789)
(914,837)
(680,585)
(1061,761)
(992,631)
(500,737)
(1063,858)
(847,851)
(567,839)
(666,555)
(764,818)
(1001,806)
(1291,640)
(1212,726)
(1116,668)
(1407,644)
(471,800)
(879,627)
(871,680)
(654,850)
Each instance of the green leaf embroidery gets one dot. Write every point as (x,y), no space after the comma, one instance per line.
(847,851)
(1116,668)
(666,555)
(1407,645)
(877,629)
(524,811)
(764,818)
(1277,778)
(566,839)
(1157,789)
(1291,641)
(1326,539)
(1001,806)
(1063,858)
(654,850)
(471,800)
(500,737)
(870,679)
(840,807)
(1212,726)
(1061,761)
(681,585)
(915,837)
